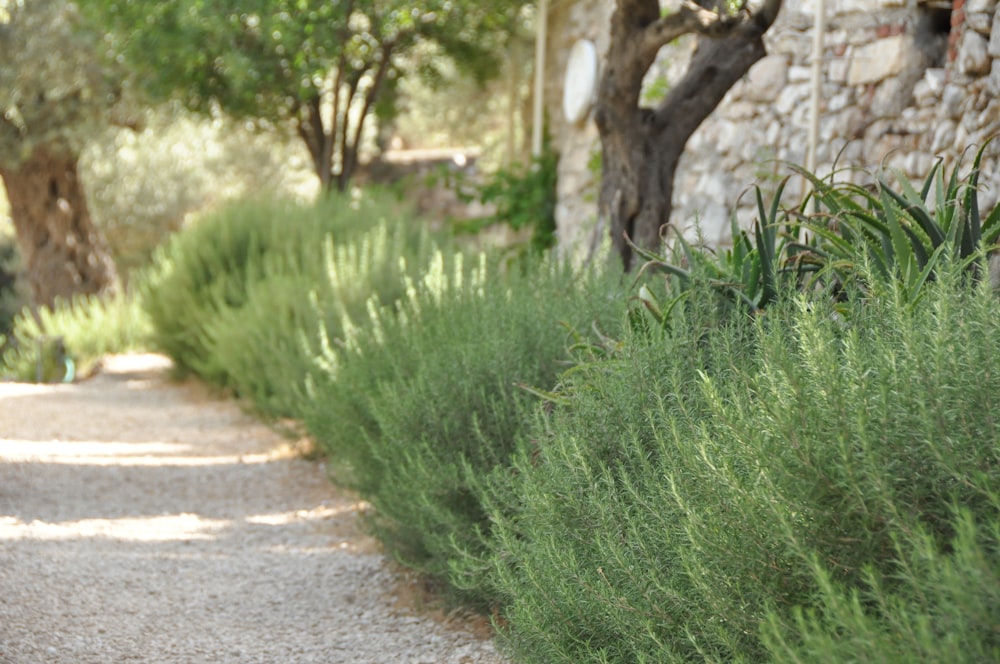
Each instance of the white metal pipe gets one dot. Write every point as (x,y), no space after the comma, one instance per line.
(538,109)
(819,31)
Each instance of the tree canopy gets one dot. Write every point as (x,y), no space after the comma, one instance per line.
(322,67)
(54,88)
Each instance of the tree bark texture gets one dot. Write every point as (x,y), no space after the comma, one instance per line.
(641,146)
(63,252)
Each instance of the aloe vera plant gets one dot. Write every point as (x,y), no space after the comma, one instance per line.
(898,233)
(748,275)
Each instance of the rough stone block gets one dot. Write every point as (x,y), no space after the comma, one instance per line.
(944,137)
(767,78)
(989,119)
(971,122)
(863,6)
(993,82)
(837,70)
(740,110)
(973,55)
(799,74)
(936,78)
(994,47)
(981,22)
(838,102)
(976,6)
(952,100)
(918,164)
(773,133)
(890,99)
(880,60)
(923,94)
(790,97)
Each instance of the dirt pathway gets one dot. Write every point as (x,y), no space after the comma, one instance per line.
(142,521)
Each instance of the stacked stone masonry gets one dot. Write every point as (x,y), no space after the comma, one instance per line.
(904,83)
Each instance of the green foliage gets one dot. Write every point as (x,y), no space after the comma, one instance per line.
(899,234)
(422,403)
(749,275)
(280,62)
(655,90)
(143,183)
(212,264)
(525,197)
(943,609)
(83,330)
(749,489)
(53,88)
(234,297)
(863,238)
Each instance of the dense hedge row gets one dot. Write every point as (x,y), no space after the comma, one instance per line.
(429,398)
(789,451)
(802,486)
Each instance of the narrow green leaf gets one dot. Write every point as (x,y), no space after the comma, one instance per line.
(991,227)
(916,209)
(905,260)
(766,238)
(929,180)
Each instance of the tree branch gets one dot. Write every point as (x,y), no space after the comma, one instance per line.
(370,95)
(354,80)
(693,18)
(717,64)
(305,125)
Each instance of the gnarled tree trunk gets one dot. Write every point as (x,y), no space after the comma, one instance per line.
(63,252)
(641,146)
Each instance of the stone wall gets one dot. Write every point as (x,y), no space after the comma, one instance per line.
(904,82)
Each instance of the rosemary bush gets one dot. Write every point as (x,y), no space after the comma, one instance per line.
(268,345)
(423,401)
(761,487)
(233,298)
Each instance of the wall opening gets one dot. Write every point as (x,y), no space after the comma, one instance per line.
(934,25)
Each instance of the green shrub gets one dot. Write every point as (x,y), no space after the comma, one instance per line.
(423,402)
(941,606)
(525,197)
(82,330)
(896,488)
(230,297)
(757,488)
(267,346)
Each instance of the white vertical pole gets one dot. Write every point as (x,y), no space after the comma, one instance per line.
(513,85)
(819,30)
(538,110)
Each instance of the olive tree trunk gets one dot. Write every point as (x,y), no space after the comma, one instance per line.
(63,252)
(641,146)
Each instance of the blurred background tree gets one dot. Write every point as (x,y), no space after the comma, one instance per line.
(224,100)
(144,184)
(55,93)
(322,69)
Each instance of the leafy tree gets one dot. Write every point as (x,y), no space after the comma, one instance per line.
(323,67)
(640,145)
(53,95)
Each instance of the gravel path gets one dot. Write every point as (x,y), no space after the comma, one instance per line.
(142,521)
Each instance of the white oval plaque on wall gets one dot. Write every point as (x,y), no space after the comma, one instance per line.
(581,80)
